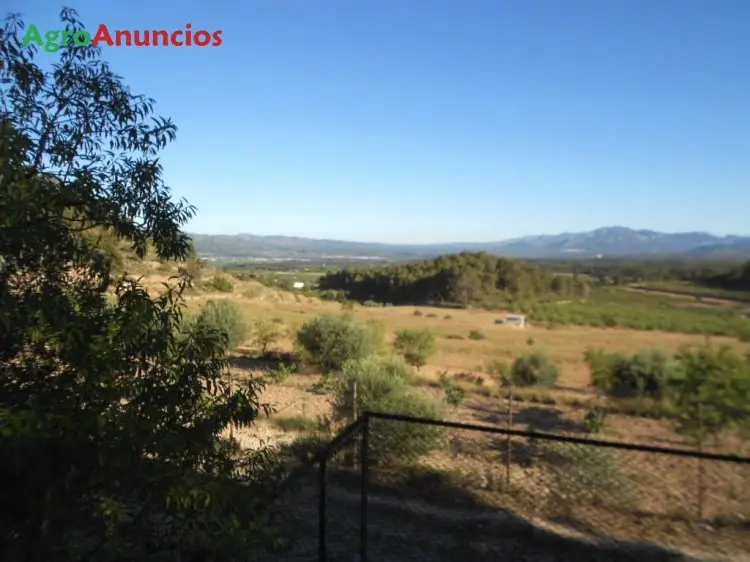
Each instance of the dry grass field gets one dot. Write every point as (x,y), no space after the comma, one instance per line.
(477,460)
(565,345)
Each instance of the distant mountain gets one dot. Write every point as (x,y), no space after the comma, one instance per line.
(615,241)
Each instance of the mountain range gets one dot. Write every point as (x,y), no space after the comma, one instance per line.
(607,242)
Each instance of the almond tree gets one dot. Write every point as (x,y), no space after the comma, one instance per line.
(110,419)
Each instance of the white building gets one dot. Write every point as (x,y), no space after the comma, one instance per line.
(516,320)
(298,285)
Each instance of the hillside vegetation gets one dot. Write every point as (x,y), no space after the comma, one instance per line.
(465,278)
(721,276)
(554,299)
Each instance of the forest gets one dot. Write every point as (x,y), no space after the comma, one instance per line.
(476,278)
(483,279)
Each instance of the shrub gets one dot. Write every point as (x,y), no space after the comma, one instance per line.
(534,369)
(415,346)
(417,313)
(647,373)
(223,316)
(447,317)
(602,366)
(476,335)
(280,373)
(583,473)
(454,395)
(331,295)
(499,370)
(265,334)
(431,315)
(383,386)
(330,340)
(454,337)
(713,392)
(220,284)
(596,419)
(370,303)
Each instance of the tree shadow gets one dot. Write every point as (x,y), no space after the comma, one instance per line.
(521,452)
(548,419)
(266,361)
(429,512)
(536,418)
(424,513)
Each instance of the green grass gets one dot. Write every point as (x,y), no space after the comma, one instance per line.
(618,307)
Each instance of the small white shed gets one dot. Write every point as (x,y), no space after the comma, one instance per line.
(298,285)
(518,320)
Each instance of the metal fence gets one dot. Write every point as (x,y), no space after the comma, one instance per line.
(318,510)
(397,488)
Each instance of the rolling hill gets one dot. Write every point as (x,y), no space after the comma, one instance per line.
(609,242)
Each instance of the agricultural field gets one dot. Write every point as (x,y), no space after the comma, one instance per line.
(468,345)
(468,341)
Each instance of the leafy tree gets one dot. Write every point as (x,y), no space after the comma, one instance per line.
(534,369)
(650,372)
(111,424)
(224,317)
(265,334)
(713,393)
(328,341)
(383,386)
(465,278)
(415,346)
(602,366)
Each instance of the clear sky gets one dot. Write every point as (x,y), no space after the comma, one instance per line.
(461,120)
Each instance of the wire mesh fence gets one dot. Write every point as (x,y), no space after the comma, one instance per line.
(319,512)
(476,493)
(400,489)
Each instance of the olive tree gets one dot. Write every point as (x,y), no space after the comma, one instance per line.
(416,346)
(330,340)
(111,422)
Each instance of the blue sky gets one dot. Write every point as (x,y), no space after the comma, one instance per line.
(463,120)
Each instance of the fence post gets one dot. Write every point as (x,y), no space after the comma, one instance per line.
(364,460)
(510,426)
(354,401)
(350,456)
(700,461)
(322,515)
(231,392)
